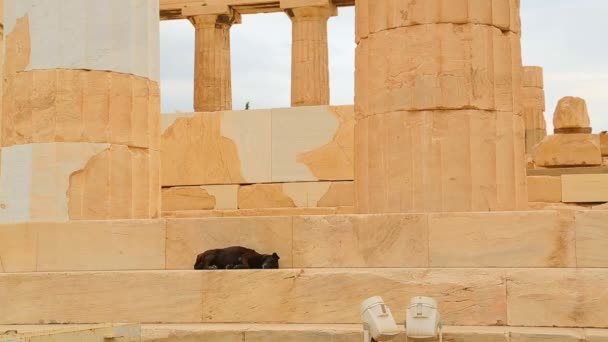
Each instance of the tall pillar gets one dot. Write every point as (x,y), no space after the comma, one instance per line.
(309,54)
(81,119)
(212,75)
(438,106)
(533,101)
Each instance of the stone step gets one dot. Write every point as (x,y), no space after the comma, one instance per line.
(546,238)
(334,333)
(467,296)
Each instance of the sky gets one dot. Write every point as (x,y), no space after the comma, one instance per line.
(566,37)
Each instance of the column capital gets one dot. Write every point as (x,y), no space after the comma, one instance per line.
(309,8)
(211,20)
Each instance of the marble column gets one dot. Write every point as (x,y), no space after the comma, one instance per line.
(309,61)
(533,100)
(81,119)
(438,106)
(212,74)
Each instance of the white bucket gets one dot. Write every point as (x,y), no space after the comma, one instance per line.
(379,318)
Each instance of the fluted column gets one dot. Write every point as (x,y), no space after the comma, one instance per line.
(81,111)
(212,74)
(438,106)
(309,68)
(533,100)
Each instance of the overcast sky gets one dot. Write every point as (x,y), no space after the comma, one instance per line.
(566,37)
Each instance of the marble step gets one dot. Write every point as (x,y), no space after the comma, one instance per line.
(560,297)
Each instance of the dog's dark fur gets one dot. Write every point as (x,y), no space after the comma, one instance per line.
(235,257)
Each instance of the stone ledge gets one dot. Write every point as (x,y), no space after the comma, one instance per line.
(488,297)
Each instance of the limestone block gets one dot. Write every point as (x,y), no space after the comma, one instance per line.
(503,14)
(596,335)
(135,25)
(544,189)
(82,245)
(292,195)
(186,238)
(18,245)
(592,238)
(604,143)
(533,77)
(585,188)
(507,239)
(571,112)
(80,106)
(360,241)
(466,297)
(312,143)
(443,66)
(464,160)
(93,297)
(286,4)
(119,182)
(118,332)
(568,150)
(557,297)
(35,179)
(200,197)
(217,148)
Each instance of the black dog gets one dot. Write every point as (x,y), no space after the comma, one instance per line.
(235,258)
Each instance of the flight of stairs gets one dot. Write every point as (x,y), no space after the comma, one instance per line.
(512,276)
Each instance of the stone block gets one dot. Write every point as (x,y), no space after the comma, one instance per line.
(35,180)
(286,4)
(596,335)
(466,297)
(508,239)
(296,195)
(94,297)
(217,148)
(533,102)
(557,297)
(571,112)
(18,244)
(119,182)
(443,66)
(533,77)
(80,106)
(360,241)
(200,197)
(568,150)
(502,14)
(312,143)
(592,238)
(604,144)
(82,246)
(259,212)
(186,238)
(463,160)
(545,189)
(585,188)
(97,332)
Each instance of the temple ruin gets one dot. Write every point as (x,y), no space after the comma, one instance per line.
(440,180)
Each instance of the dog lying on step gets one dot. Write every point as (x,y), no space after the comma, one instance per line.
(235,257)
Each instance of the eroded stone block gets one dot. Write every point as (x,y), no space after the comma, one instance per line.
(186,238)
(568,150)
(442,66)
(571,112)
(604,144)
(296,195)
(312,143)
(557,297)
